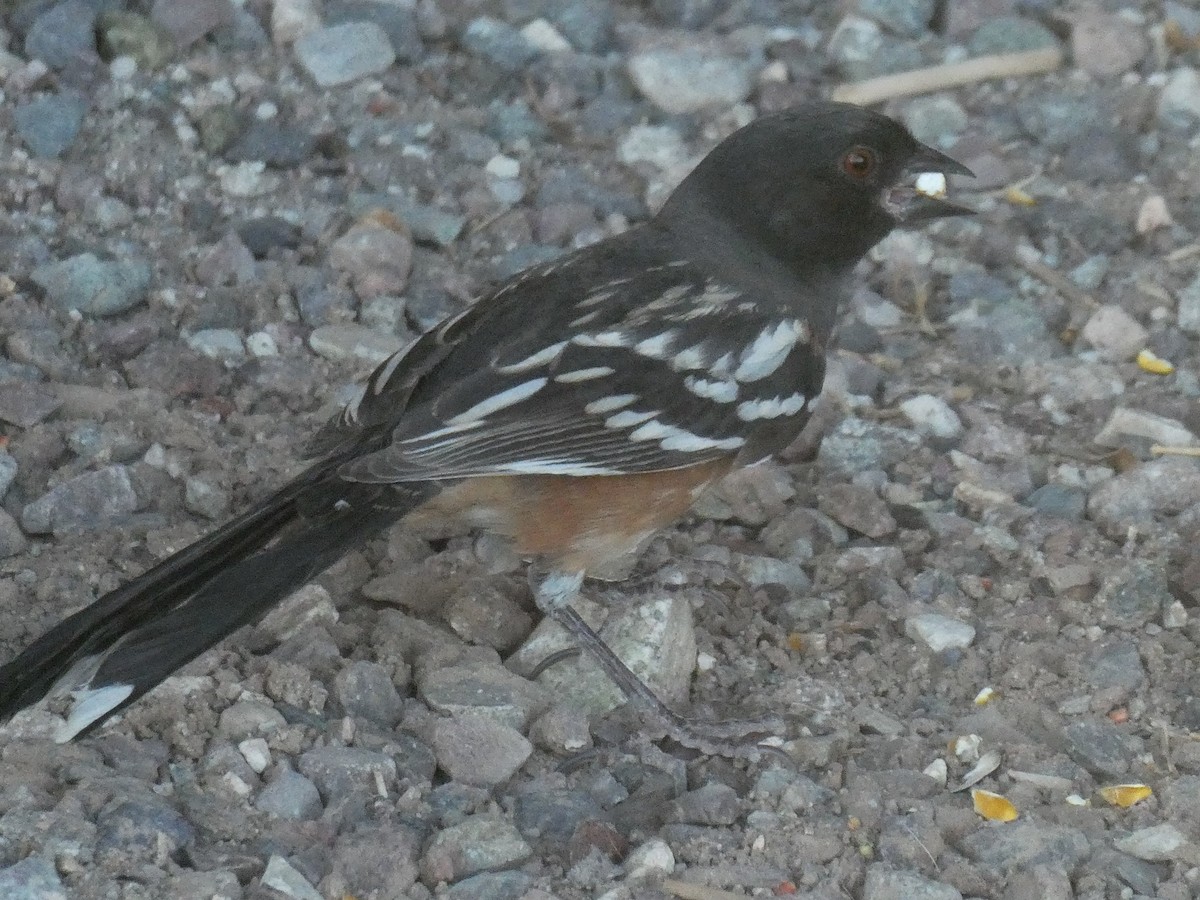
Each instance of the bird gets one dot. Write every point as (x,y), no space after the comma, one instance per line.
(577,409)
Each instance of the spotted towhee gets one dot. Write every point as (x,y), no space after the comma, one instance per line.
(577,409)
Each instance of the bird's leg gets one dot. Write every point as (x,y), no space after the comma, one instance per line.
(554,593)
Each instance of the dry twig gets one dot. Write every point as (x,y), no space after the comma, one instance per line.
(937,78)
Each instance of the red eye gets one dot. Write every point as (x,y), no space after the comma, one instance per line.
(859,162)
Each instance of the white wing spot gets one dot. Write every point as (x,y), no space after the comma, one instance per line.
(767,352)
(533,361)
(584,374)
(602,339)
(554,467)
(384,374)
(670,437)
(655,347)
(90,705)
(723,367)
(499,401)
(693,357)
(749,410)
(720,391)
(609,404)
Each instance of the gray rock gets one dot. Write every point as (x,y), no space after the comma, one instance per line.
(204,497)
(377,863)
(857,508)
(478,751)
(1060,119)
(1136,593)
(12,539)
(365,690)
(1114,333)
(25,404)
(341,343)
(492,886)
(49,125)
(856,445)
(713,804)
(289,795)
(1010,34)
(1164,486)
(142,830)
(1104,44)
(483,689)
(907,17)
(1158,843)
(278,144)
(218,343)
(398,21)
(337,771)
(33,878)
(377,259)
(1179,104)
(935,120)
(1188,311)
(655,638)
(340,54)
(86,502)
(187,21)
(1099,747)
(553,815)
(263,234)
(1023,845)
(280,875)
(499,43)
(249,717)
(64,36)
(1058,500)
(1116,664)
(1041,882)
(482,843)
(885,883)
(588,26)
(93,286)
(691,77)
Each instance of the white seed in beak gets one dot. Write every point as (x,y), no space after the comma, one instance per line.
(931,184)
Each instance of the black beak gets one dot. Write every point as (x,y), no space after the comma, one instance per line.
(906,204)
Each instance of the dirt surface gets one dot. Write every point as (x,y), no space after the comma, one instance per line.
(219,216)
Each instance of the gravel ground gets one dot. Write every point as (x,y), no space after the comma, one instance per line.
(220,214)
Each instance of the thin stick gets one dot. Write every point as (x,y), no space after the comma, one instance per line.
(937,78)
(1160,450)
(1056,280)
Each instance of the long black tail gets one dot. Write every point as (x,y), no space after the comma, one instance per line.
(113,651)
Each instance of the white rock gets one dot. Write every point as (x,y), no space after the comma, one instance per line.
(653,858)
(693,77)
(501,166)
(932,415)
(257,753)
(292,19)
(939,632)
(1125,423)
(1114,333)
(545,37)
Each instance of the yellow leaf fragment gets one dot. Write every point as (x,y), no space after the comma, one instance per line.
(1125,795)
(986,696)
(993,807)
(1018,197)
(1155,365)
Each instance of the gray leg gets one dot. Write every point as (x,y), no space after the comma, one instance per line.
(553,594)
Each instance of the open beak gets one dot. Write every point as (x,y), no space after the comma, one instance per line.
(925,197)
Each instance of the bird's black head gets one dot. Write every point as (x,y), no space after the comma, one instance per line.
(821,182)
